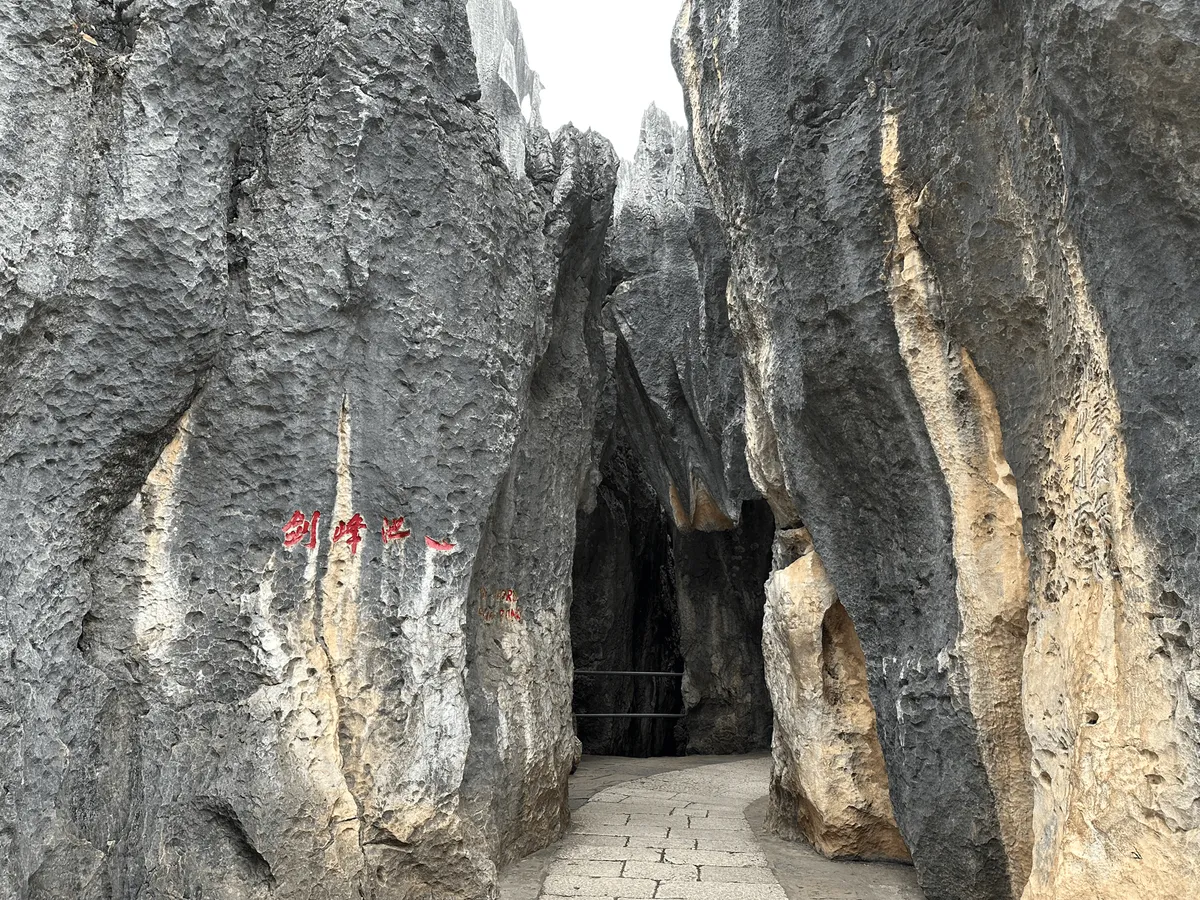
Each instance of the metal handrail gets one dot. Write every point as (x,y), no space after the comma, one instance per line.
(603,672)
(630,715)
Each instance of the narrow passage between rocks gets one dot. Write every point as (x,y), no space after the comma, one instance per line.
(688,835)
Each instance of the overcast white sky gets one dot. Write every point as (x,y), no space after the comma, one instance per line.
(603,62)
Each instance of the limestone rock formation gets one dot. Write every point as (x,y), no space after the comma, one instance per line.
(261,261)
(509,87)
(678,374)
(719,587)
(675,434)
(829,783)
(965,286)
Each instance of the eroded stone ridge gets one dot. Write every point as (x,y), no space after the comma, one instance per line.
(509,87)
(678,375)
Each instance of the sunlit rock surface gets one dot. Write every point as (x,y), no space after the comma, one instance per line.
(510,88)
(964,282)
(260,259)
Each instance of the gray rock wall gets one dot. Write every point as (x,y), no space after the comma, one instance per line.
(519,680)
(719,587)
(510,88)
(263,259)
(678,375)
(963,283)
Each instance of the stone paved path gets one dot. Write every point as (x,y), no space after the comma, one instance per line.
(678,835)
(684,835)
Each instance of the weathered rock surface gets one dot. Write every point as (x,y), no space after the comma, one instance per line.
(829,782)
(964,281)
(262,258)
(678,374)
(509,87)
(676,434)
(719,587)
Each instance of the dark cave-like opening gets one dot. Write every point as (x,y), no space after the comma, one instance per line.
(650,598)
(624,617)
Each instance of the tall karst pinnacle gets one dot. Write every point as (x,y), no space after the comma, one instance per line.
(298,364)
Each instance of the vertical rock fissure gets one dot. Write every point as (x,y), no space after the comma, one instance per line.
(624,614)
(992,581)
(334,625)
(694,538)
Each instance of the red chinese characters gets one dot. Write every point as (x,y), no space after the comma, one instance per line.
(298,528)
(394,530)
(351,531)
(498,605)
(509,599)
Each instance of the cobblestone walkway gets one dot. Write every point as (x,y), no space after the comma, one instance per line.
(679,835)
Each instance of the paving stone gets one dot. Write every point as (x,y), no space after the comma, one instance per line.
(591,868)
(698,834)
(601,818)
(676,890)
(595,840)
(716,858)
(660,871)
(638,854)
(715,824)
(737,874)
(641,810)
(676,824)
(684,842)
(633,830)
(578,886)
(709,841)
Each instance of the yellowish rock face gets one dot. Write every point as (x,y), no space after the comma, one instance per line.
(1021,214)
(992,586)
(1114,764)
(705,513)
(829,783)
